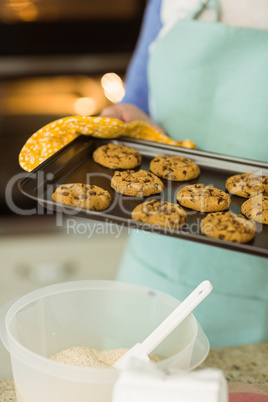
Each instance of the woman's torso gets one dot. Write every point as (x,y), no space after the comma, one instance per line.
(236,314)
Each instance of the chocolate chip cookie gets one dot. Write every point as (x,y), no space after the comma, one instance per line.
(160,213)
(256,208)
(82,195)
(137,184)
(228,226)
(203,198)
(173,167)
(115,156)
(247,185)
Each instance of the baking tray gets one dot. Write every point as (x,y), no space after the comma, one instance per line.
(74,163)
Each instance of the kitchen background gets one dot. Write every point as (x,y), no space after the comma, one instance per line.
(57,58)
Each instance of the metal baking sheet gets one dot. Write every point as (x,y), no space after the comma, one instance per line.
(74,163)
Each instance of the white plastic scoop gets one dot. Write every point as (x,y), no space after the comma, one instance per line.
(141,350)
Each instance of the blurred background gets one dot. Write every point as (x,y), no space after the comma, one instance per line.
(57,58)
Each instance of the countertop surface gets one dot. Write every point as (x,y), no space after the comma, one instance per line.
(241,364)
(247,364)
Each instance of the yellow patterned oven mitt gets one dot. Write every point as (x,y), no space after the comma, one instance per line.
(55,135)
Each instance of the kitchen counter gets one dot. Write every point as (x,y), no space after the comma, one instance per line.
(247,364)
(241,364)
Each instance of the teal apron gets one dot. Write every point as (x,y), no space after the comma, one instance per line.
(209,82)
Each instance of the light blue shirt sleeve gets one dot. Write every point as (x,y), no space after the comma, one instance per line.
(136,77)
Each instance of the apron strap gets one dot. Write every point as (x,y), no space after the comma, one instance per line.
(204,4)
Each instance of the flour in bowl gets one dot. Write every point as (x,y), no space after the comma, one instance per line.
(88,357)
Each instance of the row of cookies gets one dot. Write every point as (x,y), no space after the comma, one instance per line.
(116,156)
(203,198)
(198,197)
(142,183)
(255,188)
(222,225)
(207,199)
(129,182)
(92,197)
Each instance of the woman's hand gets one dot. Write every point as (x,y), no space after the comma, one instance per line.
(127,113)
